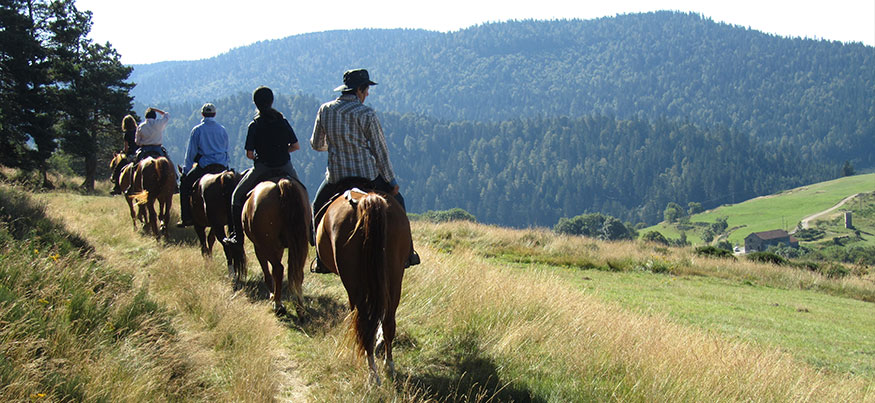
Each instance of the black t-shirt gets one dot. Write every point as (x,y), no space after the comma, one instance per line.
(132,145)
(270,138)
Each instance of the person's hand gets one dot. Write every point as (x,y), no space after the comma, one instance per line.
(395,190)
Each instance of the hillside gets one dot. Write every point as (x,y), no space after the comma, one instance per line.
(814,95)
(526,122)
(479,321)
(782,210)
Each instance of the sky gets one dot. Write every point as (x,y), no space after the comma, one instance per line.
(160,30)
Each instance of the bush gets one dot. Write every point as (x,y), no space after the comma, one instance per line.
(656,237)
(454,214)
(766,257)
(595,225)
(711,251)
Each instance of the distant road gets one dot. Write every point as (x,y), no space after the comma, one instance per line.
(815,216)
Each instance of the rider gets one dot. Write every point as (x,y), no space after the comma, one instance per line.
(148,138)
(129,127)
(207,152)
(351,133)
(150,134)
(269,141)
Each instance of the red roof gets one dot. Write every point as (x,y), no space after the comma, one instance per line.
(773,234)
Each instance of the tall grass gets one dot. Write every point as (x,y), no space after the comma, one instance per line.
(233,346)
(490,315)
(475,329)
(72,329)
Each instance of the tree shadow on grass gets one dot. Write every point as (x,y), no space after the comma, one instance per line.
(464,373)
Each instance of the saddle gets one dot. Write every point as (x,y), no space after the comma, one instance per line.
(348,195)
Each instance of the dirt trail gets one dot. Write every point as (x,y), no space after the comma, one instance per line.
(805,221)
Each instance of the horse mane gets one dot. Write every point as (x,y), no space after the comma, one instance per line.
(117,159)
(372,210)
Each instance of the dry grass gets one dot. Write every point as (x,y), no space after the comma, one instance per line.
(233,344)
(472,326)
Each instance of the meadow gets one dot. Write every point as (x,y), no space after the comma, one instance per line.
(782,210)
(492,314)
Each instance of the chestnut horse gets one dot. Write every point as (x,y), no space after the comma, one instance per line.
(155,179)
(365,238)
(124,181)
(211,207)
(276,217)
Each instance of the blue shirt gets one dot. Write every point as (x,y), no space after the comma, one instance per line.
(209,140)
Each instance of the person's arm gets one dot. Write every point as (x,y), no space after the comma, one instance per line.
(377,142)
(318,140)
(294,147)
(190,151)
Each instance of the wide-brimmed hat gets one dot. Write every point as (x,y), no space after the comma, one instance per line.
(353,79)
(208,109)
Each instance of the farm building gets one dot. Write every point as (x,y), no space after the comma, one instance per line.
(760,241)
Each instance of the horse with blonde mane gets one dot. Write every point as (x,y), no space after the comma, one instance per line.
(124,181)
(276,217)
(155,180)
(365,238)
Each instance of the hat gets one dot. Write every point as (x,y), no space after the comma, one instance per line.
(353,79)
(208,109)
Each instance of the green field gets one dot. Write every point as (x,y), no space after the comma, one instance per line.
(779,211)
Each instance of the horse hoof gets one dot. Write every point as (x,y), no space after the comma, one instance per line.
(279,310)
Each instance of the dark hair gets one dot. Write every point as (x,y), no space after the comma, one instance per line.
(150,113)
(263,99)
(129,124)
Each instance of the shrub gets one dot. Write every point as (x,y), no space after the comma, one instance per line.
(766,257)
(712,251)
(454,214)
(655,236)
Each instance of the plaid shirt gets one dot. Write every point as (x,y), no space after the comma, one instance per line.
(352,135)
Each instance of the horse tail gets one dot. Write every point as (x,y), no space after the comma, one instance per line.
(371,310)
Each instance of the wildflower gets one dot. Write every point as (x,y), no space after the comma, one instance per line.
(37,396)
(43,301)
(55,257)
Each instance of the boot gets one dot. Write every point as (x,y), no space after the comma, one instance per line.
(235,237)
(185,219)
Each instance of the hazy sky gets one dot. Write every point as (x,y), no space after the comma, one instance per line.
(158,30)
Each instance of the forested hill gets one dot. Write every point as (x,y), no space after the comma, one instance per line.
(662,64)
(525,122)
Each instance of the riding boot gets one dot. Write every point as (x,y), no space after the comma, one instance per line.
(235,237)
(185,219)
(413,259)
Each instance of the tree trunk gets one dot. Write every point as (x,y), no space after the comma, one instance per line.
(44,172)
(90,172)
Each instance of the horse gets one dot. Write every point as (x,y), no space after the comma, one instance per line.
(365,239)
(276,216)
(124,181)
(155,179)
(211,207)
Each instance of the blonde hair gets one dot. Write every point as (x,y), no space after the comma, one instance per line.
(129,123)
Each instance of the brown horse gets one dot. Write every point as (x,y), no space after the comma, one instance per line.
(211,207)
(276,216)
(124,181)
(365,238)
(156,180)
